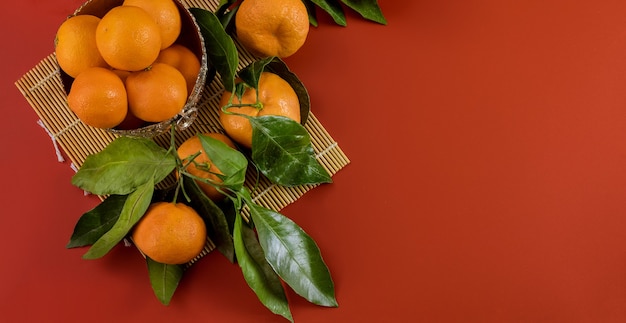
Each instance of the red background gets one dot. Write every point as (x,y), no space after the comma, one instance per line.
(487,178)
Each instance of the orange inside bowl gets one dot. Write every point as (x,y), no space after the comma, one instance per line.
(190,37)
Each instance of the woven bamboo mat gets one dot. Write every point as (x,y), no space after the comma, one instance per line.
(42,87)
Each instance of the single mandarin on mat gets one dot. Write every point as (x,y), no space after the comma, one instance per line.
(166,15)
(98,98)
(75,45)
(128,38)
(170,233)
(193,146)
(272,27)
(157,93)
(276,96)
(184,60)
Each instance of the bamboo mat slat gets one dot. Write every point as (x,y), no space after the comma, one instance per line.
(42,87)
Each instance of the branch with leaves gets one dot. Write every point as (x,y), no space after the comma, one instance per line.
(281,252)
(269,248)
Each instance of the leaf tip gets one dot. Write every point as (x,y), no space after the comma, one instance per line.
(381,21)
(88,256)
(165,302)
(92,254)
(331,301)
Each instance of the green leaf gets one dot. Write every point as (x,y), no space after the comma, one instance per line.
(282,151)
(240,89)
(334,9)
(228,19)
(221,50)
(231,162)
(134,208)
(310,8)
(293,255)
(225,12)
(252,73)
(368,9)
(164,279)
(125,164)
(93,224)
(215,219)
(228,208)
(257,272)
(280,68)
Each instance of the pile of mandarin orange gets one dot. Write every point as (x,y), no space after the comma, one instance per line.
(128,69)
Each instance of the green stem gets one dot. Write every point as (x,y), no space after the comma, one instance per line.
(257,105)
(191,159)
(172,147)
(179,186)
(218,187)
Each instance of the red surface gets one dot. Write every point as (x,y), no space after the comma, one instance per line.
(487,182)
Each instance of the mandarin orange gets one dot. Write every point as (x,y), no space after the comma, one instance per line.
(208,171)
(156,94)
(170,233)
(272,27)
(128,38)
(98,98)
(75,45)
(276,96)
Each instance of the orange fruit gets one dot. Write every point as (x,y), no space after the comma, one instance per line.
(191,147)
(121,74)
(277,98)
(166,15)
(272,27)
(128,38)
(157,93)
(184,60)
(75,45)
(98,98)
(131,121)
(170,233)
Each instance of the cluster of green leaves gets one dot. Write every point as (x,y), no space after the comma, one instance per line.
(129,168)
(279,251)
(368,9)
(282,151)
(281,147)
